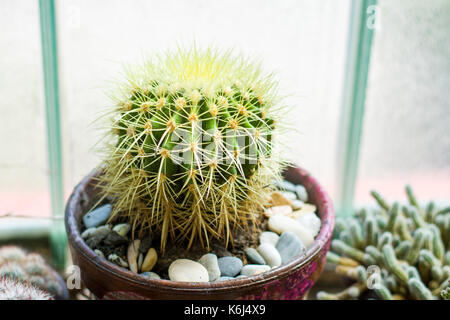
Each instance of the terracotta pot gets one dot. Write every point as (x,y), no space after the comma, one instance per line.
(289,281)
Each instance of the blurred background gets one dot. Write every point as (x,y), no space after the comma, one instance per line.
(398,134)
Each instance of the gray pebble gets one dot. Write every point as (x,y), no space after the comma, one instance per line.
(114,239)
(88,233)
(151,275)
(302,194)
(289,246)
(97,236)
(224,279)
(209,261)
(254,269)
(254,256)
(117,260)
(229,266)
(97,216)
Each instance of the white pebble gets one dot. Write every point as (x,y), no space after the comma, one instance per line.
(254,269)
(269,237)
(278,210)
(297,204)
(187,271)
(280,224)
(270,254)
(311,222)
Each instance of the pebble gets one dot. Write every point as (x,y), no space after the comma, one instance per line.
(97,216)
(270,254)
(224,279)
(289,195)
(117,260)
(302,194)
(150,260)
(229,266)
(278,210)
(209,261)
(122,229)
(97,236)
(297,204)
(269,237)
(88,233)
(99,253)
(310,221)
(285,185)
(280,224)
(307,208)
(132,255)
(151,275)
(278,199)
(187,271)
(114,239)
(289,246)
(254,269)
(254,256)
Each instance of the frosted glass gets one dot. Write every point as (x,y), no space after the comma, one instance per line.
(23,154)
(303,41)
(407,123)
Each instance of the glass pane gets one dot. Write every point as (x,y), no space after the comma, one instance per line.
(23,154)
(407,122)
(304,41)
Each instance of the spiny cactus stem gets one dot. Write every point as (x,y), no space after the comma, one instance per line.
(380,200)
(393,264)
(383,292)
(419,290)
(345,249)
(351,292)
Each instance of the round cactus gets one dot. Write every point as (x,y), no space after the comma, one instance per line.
(16,264)
(11,289)
(192,150)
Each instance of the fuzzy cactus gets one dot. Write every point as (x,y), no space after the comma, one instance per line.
(408,244)
(29,268)
(11,289)
(191,145)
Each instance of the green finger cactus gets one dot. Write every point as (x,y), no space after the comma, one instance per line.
(405,253)
(191,152)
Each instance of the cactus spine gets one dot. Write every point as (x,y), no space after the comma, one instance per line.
(14,290)
(28,268)
(409,246)
(191,146)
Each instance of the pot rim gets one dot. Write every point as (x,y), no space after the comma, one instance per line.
(322,238)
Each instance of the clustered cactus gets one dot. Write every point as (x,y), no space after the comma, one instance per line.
(408,243)
(28,269)
(11,289)
(191,152)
